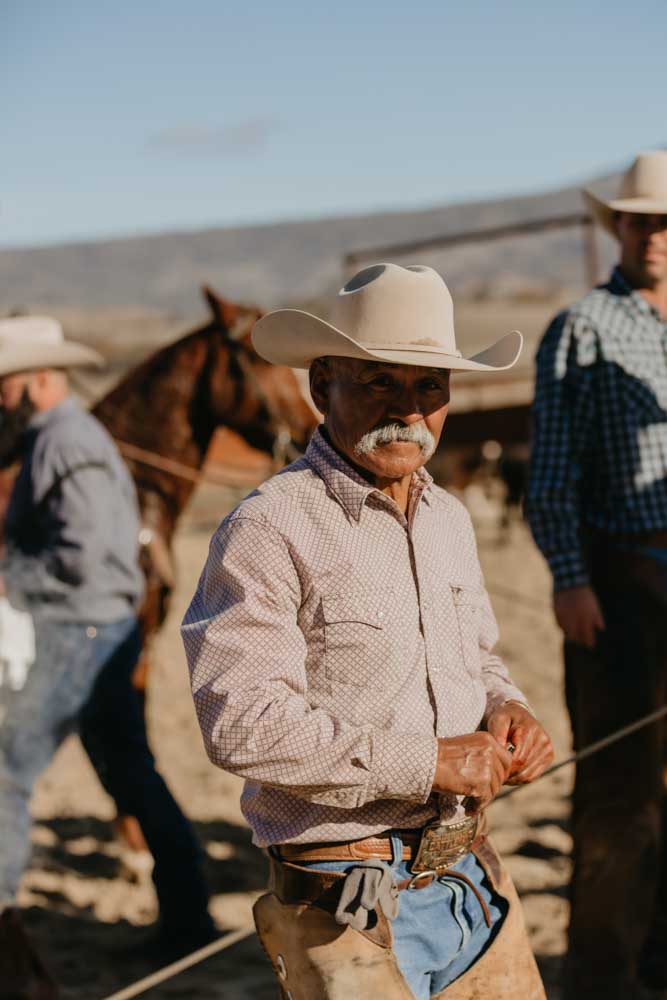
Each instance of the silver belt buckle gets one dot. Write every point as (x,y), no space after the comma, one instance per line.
(441,846)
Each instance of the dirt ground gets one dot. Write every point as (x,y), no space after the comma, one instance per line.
(87,897)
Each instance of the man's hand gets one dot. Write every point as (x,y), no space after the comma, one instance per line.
(533,751)
(475,765)
(579,615)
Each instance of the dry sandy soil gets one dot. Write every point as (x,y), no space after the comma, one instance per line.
(86,896)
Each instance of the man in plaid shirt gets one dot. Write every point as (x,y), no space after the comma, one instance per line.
(597,507)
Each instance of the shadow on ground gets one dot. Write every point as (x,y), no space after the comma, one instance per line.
(91,959)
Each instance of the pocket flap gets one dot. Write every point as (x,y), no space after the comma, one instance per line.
(338,608)
(465,596)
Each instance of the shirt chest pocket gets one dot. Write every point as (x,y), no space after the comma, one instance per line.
(468,608)
(356,644)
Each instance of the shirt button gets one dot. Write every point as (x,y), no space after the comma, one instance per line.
(380,615)
(91,631)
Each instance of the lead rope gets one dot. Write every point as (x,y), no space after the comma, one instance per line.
(181,965)
(593,748)
(226,942)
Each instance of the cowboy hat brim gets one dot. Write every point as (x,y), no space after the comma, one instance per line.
(295,338)
(29,357)
(604,211)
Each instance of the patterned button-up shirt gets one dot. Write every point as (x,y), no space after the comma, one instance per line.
(600,427)
(331,640)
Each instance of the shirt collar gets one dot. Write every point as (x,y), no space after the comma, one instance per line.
(45,417)
(619,285)
(348,486)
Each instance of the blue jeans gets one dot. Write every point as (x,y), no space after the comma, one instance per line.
(69,656)
(440,931)
(112,726)
(82,676)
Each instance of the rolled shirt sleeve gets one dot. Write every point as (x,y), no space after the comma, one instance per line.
(247,656)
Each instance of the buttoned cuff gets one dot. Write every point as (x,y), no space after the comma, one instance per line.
(403,766)
(499,697)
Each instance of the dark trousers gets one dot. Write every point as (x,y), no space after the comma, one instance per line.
(619,886)
(113,732)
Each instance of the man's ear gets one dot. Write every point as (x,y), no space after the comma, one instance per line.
(319,375)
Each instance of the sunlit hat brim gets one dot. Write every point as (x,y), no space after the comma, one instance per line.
(28,357)
(295,338)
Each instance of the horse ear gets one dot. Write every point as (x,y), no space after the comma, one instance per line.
(225,313)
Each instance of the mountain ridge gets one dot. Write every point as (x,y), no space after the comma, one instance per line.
(280,262)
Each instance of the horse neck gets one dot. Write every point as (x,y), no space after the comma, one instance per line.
(163,408)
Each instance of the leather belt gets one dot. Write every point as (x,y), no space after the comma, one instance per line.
(437,845)
(432,851)
(378,848)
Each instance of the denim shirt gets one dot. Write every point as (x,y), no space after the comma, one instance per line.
(72,523)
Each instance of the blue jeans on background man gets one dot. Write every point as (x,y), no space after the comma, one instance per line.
(113,732)
(82,675)
(440,930)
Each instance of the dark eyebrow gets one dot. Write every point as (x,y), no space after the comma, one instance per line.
(374,367)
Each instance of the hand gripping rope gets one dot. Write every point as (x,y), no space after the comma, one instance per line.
(169,971)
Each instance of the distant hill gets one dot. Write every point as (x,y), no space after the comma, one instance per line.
(298,261)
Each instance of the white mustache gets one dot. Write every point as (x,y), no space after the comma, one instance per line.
(417,434)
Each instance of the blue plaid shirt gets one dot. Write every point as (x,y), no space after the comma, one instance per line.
(599,460)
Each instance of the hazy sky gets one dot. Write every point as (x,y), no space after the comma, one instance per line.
(132,117)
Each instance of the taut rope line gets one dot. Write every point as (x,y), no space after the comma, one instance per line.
(186,962)
(593,748)
(226,942)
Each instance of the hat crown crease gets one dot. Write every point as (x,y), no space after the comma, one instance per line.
(398,306)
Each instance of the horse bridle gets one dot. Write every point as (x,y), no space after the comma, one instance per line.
(284,449)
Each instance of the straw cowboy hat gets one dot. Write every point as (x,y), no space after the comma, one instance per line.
(402,315)
(643,189)
(30,342)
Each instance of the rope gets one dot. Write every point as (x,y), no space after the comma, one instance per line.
(284,449)
(174,468)
(592,748)
(169,971)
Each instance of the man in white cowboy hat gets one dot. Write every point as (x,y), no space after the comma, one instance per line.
(72,541)
(597,505)
(71,565)
(340,647)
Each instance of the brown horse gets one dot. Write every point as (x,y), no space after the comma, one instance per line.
(163,416)
(165,412)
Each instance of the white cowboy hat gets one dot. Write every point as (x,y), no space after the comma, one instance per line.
(403,315)
(30,342)
(643,189)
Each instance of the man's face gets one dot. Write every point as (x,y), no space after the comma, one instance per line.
(385,418)
(16,409)
(643,240)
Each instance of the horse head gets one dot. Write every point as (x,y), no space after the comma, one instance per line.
(260,401)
